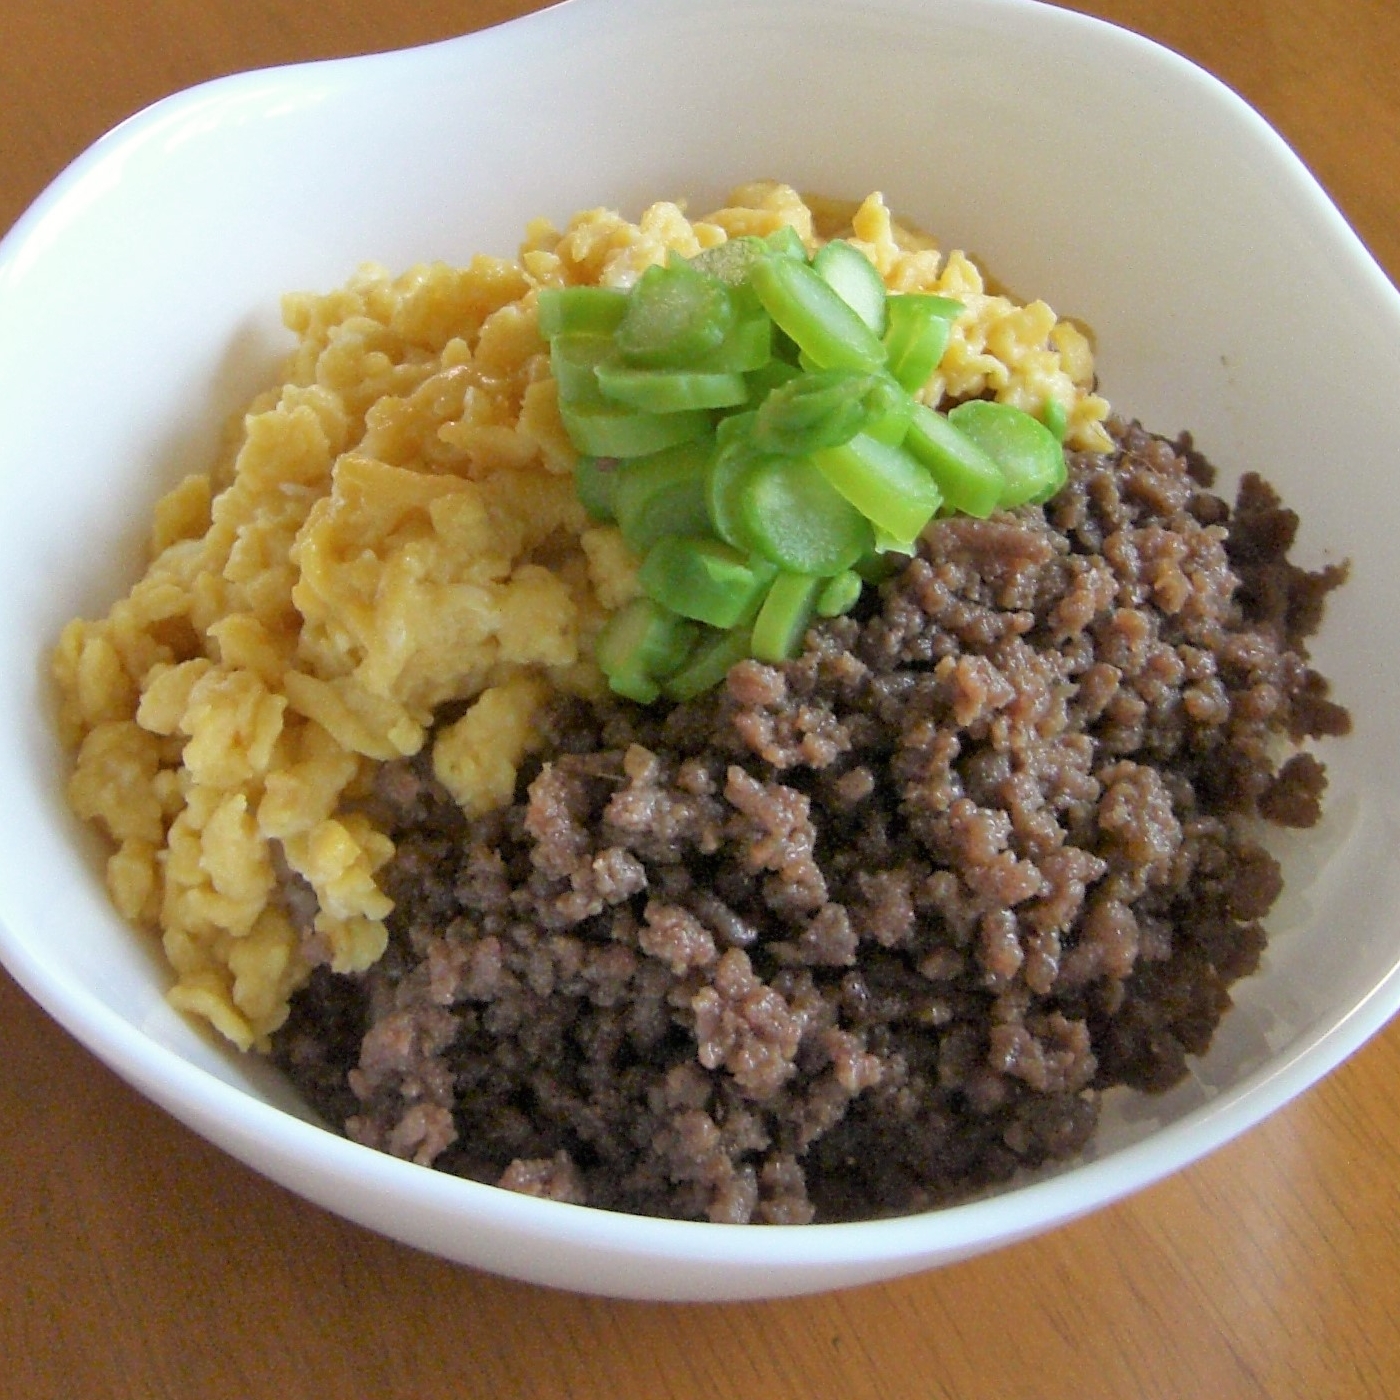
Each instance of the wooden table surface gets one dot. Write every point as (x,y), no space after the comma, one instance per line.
(136,1261)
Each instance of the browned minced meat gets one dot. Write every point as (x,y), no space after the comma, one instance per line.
(865,932)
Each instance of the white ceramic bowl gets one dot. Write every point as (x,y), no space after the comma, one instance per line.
(138,305)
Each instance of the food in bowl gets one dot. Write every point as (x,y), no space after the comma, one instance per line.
(855,933)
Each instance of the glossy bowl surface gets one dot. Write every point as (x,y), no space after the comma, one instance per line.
(1085,165)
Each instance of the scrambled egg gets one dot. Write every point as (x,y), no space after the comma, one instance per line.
(393,529)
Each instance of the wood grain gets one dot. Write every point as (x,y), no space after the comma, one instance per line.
(138,1263)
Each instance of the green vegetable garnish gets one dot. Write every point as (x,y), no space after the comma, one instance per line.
(891,408)
(603,429)
(766,378)
(747,346)
(595,481)
(675,315)
(822,408)
(703,579)
(733,260)
(822,325)
(885,484)
(790,514)
(917,335)
(839,594)
(852,276)
(734,456)
(709,662)
(747,418)
(669,390)
(970,480)
(661,494)
(786,242)
(574,357)
(590,310)
(1031,458)
(640,646)
(783,619)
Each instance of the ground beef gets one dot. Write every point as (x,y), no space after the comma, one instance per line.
(865,932)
